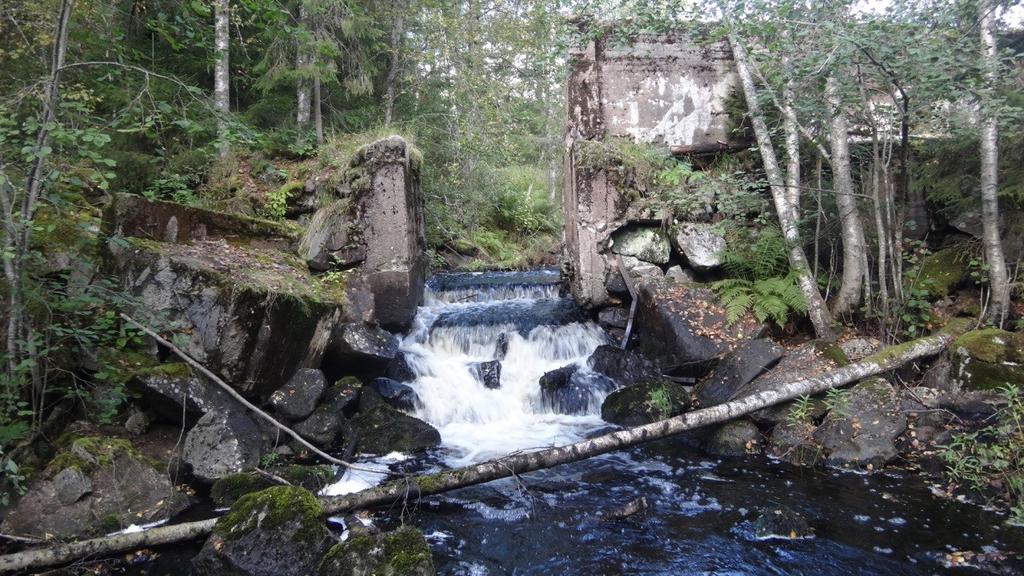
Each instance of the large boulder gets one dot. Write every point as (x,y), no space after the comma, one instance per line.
(684,325)
(645,243)
(275,532)
(793,441)
(300,395)
(362,349)
(222,443)
(863,428)
(639,272)
(737,369)
(170,389)
(249,308)
(988,359)
(95,485)
(700,243)
(399,369)
(645,403)
(622,366)
(401,552)
(382,429)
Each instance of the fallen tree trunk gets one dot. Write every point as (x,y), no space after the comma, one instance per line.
(511,465)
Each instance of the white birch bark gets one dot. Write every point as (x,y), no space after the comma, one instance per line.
(221,73)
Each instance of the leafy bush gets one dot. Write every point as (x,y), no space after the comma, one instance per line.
(990,462)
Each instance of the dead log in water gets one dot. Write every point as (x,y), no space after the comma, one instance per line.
(512,465)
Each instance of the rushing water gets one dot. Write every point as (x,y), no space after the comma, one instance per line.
(701,510)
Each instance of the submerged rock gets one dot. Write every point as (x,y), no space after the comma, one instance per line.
(401,552)
(700,243)
(684,325)
(382,429)
(735,438)
(399,368)
(557,378)
(988,359)
(396,394)
(275,532)
(737,369)
(863,428)
(782,523)
(222,443)
(487,373)
(93,486)
(645,403)
(622,366)
(574,391)
(299,396)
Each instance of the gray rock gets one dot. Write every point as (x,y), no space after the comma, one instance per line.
(735,438)
(805,361)
(574,391)
(613,317)
(678,274)
(557,378)
(327,425)
(643,242)
(330,240)
(399,368)
(273,532)
(794,442)
(782,523)
(685,325)
(639,272)
(487,373)
(363,348)
(700,243)
(222,443)
(864,430)
(164,388)
(70,485)
(736,370)
(299,396)
(137,423)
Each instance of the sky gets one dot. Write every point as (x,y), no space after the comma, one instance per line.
(1014,17)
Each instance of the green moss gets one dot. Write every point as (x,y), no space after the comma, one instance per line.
(644,403)
(992,345)
(406,551)
(88,453)
(939,273)
(176,370)
(431,483)
(270,508)
(833,352)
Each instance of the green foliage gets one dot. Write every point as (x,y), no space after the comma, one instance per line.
(755,253)
(801,410)
(768,298)
(660,403)
(837,401)
(990,462)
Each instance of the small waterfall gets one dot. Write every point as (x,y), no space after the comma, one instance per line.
(518,319)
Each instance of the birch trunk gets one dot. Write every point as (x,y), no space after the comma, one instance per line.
(512,465)
(816,308)
(221,73)
(302,96)
(854,251)
(998,280)
(789,126)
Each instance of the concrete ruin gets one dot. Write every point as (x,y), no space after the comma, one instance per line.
(670,90)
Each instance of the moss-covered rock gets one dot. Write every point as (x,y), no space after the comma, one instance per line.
(383,429)
(229,489)
(735,438)
(274,532)
(402,552)
(942,271)
(645,403)
(988,359)
(94,485)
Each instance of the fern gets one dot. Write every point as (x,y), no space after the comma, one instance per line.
(773,298)
(755,255)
